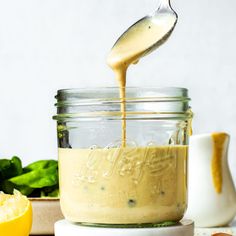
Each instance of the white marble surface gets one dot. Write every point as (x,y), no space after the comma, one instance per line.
(64,227)
(209,231)
(47,45)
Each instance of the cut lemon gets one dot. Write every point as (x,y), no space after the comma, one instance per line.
(15,215)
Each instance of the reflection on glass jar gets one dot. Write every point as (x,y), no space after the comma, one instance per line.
(102,182)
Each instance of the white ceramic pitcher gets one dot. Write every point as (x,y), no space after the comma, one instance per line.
(212,196)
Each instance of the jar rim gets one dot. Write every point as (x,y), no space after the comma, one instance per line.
(81,101)
(179,90)
(76,96)
(128,87)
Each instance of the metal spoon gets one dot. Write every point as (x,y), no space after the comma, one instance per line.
(163,13)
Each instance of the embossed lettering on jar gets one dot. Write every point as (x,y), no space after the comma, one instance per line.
(104,182)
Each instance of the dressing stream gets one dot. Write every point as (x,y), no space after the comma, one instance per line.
(138,41)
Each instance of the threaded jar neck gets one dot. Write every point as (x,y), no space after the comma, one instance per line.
(141,103)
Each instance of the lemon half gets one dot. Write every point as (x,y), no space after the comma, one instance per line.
(15,215)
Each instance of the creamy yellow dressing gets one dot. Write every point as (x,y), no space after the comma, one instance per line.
(219,140)
(126,185)
(133,45)
(123,185)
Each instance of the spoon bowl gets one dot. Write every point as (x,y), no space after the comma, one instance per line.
(145,35)
(164,10)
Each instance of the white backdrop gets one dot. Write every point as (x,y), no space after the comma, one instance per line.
(50,44)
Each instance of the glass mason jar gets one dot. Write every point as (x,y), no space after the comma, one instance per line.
(104,183)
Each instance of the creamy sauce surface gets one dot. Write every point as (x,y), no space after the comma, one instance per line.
(123,185)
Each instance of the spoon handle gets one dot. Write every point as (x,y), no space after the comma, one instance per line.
(164,4)
(165,7)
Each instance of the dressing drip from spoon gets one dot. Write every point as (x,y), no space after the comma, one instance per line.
(140,39)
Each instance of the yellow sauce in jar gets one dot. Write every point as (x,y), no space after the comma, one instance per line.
(123,185)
